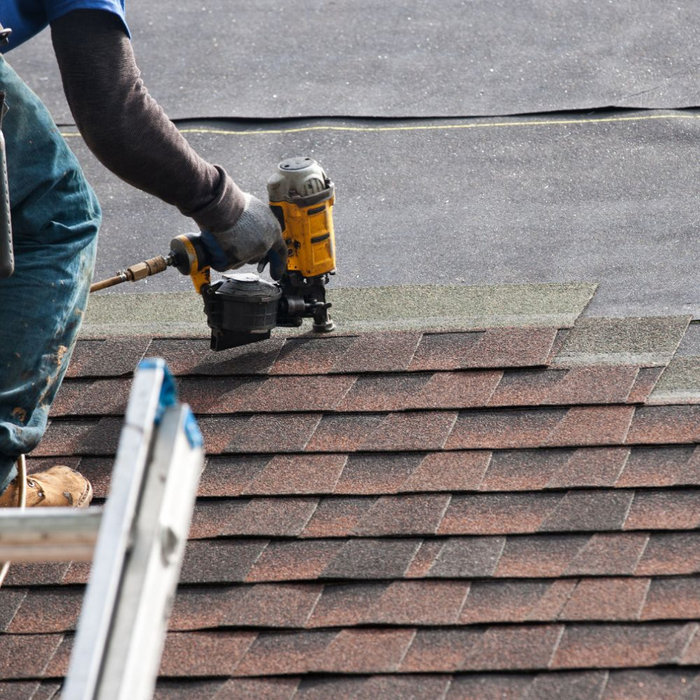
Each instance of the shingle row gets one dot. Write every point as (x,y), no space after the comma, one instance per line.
(648,342)
(408,431)
(377,392)
(237,560)
(372,352)
(414,650)
(393,603)
(435,602)
(455,471)
(453,430)
(445,514)
(425,472)
(527,647)
(508,556)
(669,683)
(252,560)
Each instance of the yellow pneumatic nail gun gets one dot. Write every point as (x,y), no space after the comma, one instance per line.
(243,308)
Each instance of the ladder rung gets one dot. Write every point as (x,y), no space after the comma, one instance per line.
(55,534)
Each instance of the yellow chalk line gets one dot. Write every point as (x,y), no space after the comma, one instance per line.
(424,127)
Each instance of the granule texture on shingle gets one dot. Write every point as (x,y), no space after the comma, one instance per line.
(487,513)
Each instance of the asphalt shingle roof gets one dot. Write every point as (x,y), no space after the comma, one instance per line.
(511,512)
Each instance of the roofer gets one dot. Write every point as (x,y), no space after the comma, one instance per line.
(56,216)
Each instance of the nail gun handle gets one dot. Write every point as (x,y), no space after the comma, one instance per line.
(190,258)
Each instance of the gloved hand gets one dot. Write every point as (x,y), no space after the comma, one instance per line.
(255,237)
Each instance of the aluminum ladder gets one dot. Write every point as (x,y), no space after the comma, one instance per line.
(136,543)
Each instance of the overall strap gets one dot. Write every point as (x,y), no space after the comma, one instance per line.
(4,34)
(7,261)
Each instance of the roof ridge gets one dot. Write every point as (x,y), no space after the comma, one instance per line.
(397,307)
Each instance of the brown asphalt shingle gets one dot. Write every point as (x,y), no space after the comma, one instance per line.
(404,514)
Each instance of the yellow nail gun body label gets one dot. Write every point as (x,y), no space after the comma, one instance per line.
(308,232)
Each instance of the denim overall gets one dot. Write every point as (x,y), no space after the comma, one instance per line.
(55,219)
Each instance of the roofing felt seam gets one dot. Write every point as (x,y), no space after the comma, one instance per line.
(527,121)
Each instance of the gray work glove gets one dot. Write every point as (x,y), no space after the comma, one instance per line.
(256,237)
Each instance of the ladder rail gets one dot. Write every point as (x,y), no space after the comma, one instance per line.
(151,575)
(115,536)
(136,543)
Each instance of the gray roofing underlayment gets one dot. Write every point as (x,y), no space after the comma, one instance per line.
(476,196)
(409,59)
(509,175)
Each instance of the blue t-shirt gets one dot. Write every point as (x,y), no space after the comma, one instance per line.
(28,17)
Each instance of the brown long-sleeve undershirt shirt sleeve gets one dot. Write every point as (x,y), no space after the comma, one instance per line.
(125,127)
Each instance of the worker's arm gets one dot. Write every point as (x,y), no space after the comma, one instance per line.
(130,133)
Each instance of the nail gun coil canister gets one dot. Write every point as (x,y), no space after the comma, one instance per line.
(248,303)
(302,198)
(241,309)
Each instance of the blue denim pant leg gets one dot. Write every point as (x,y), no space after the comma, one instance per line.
(55,220)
